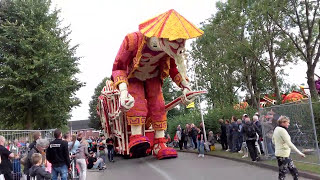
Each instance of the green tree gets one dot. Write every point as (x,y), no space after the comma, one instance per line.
(303,16)
(37,66)
(93,116)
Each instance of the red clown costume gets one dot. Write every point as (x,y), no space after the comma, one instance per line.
(144,60)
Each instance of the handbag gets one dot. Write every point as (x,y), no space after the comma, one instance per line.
(2,177)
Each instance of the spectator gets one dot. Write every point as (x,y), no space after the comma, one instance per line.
(256,121)
(250,131)
(283,146)
(14,148)
(5,165)
(235,134)
(184,136)
(66,137)
(240,138)
(179,135)
(229,135)
(210,139)
(73,145)
(268,128)
(36,170)
(201,141)
(58,156)
(82,153)
(189,132)
(94,162)
(110,148)
(36,136)
(244,116)
(102,148)
(80,136)
(194,134)
(223,135)
(40,146)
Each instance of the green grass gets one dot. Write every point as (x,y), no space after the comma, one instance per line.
(313,168)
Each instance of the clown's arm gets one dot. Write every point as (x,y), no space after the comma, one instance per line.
(182,82)
(119,72)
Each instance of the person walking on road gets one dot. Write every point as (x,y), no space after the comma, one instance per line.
(283,146)
(249,131)
(81,154)
(110,148)
(58,156)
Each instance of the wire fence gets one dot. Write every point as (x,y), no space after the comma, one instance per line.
(17,141)
(302,129)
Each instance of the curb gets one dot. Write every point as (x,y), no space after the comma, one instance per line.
(262,165)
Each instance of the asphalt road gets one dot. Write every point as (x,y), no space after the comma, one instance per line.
(186,166)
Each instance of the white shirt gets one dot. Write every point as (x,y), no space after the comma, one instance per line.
(282,142)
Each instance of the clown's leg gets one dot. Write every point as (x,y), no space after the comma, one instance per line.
(156,108)
(136,117)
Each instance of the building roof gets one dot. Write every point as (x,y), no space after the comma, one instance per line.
(79,125)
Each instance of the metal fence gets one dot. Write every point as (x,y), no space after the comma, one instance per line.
(17,141)
(302,129)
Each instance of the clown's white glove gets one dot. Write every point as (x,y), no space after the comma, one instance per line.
(185,90)
(126,100)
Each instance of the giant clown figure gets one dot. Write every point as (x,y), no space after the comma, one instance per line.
(144,60)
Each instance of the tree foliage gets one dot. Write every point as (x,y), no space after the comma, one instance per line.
(93,116)
(37,66)
(300,22)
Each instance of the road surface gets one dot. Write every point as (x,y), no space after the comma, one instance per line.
(186,166)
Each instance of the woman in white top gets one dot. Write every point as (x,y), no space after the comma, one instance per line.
(283,146)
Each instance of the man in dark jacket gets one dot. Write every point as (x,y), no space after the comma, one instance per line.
(58,156)
(194,134)
(5,165)
(249,132)
(235,134)
(36,136)
(223,135)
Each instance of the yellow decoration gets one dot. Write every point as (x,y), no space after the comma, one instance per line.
(191,105)
(169,25)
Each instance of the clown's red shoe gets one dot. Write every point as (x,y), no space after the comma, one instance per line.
(161,151)
(138,146)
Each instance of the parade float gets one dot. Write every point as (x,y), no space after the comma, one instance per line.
(294,96)
(131,105)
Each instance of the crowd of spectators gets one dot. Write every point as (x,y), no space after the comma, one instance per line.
(49,160)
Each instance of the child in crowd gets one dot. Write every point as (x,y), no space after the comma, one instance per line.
(36,171)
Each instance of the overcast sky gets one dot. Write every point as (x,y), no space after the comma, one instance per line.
(99,27)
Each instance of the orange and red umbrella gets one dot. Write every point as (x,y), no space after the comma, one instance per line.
(169,25)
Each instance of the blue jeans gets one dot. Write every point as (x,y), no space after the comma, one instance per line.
(98,164)
(62,170)
(110,154)
(270,147)
(200,147)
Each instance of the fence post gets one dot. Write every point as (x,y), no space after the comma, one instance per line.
(314,128)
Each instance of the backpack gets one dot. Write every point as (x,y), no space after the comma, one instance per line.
(251,131)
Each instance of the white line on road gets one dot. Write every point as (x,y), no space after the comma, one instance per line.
(162,173)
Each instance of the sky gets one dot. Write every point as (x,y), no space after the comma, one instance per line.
(99,26)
